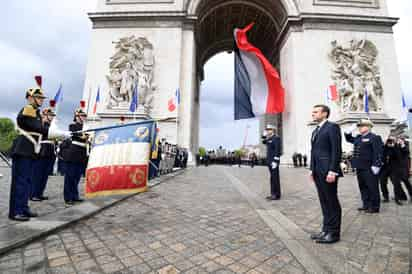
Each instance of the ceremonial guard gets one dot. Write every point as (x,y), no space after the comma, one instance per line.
(325,158)
(272,143)
(43,166)
(367,159)
(23,153)
(75,155)
(400,169)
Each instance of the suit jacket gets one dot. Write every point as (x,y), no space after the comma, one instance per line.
(326,150)
(72,152)
(273,149)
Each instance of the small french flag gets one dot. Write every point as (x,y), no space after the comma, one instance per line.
(332,93)
(97,101)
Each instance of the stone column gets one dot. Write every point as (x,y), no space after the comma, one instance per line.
(186,127)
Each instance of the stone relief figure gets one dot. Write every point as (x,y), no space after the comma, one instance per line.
(131,65)
(355,71)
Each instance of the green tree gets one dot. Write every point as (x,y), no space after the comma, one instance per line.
(7,134)
(240,153)
(202,151)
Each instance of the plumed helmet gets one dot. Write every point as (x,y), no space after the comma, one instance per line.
(38,91)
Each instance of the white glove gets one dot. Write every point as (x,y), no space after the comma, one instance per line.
(351,129)
(55,132)
(375,170)
(274,165)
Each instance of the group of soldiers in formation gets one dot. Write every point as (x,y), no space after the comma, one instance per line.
(33,155)
(373,161)
(35,150)
(223,157)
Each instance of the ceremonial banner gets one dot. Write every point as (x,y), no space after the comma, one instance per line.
(118,162)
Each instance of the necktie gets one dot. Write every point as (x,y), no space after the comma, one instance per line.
(315,133)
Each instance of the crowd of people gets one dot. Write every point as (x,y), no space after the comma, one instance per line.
(223,156)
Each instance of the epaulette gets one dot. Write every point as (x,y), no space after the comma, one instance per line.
(29,111)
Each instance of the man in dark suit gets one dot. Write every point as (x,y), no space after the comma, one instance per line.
(325,170)
(367,159)
(272,143)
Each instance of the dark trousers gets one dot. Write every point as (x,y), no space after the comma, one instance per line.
(41,171)
(399,176)
(274,182)
(21,172)
(72,174)
(329,203)
(369,188)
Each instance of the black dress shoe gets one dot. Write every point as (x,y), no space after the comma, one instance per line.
(19,218)
(318,236)
(372,210)
(78,200)
(31,214)
(44,197)
(69,203)
(399,203)
(363,208)
(273,197)
(36,199)
(329,238)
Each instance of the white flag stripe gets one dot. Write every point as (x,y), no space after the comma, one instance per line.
(119,154)
(258,83)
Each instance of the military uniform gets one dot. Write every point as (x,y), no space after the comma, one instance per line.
(75,157)
(273,158)
(400,171)
(368,152)
(23,153)
(43,166)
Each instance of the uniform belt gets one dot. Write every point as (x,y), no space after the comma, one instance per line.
(29,135)
(80,144)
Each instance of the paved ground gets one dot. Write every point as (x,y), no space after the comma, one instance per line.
(215,220)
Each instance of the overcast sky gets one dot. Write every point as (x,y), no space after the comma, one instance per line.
(52,38)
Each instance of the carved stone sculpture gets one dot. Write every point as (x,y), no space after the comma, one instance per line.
(131,66)
(355,74)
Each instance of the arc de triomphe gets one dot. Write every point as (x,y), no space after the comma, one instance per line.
(158,46)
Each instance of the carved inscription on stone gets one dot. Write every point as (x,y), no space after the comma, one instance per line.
(355,74)
(131,70)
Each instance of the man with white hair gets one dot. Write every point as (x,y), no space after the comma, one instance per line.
(272,143)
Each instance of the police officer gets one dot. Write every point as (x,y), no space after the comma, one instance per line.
(23,152)
(75,158)
(272,143)
(43,166)
(367,159)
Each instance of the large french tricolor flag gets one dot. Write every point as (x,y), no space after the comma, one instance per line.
(119,159)
(258,89)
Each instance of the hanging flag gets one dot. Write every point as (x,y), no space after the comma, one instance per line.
(258,89)
(135,100)
(97,101)
(59,95)
(405,110)
(366,102)
(332,93)
(178,96)
(118,161)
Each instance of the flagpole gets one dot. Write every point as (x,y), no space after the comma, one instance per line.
(177,98)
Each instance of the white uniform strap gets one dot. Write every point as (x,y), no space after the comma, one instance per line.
(29,135)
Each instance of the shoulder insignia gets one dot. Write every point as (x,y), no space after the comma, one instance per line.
(29,111)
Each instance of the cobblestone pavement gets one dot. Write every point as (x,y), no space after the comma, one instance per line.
(204,222)
(54,191)
(369,243)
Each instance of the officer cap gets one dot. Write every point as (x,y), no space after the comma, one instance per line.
(365,122)
(270,126)
(80,112)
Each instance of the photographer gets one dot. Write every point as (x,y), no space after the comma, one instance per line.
(272,143)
